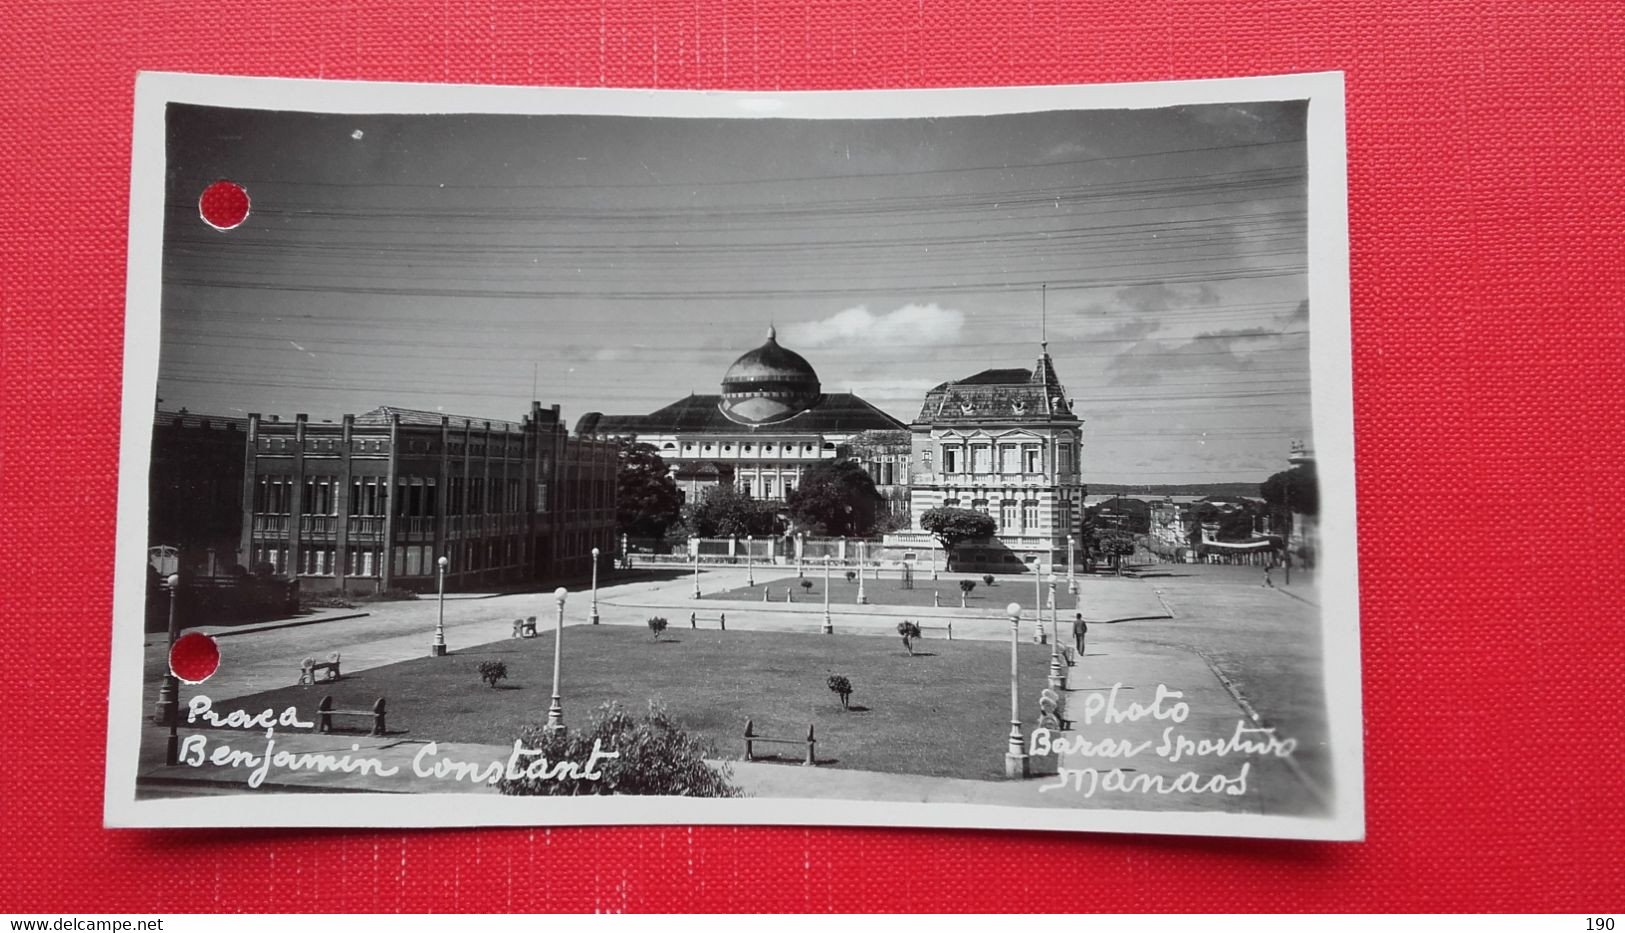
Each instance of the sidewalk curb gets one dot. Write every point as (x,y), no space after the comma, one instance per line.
(227,632)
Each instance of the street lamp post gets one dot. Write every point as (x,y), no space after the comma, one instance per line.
(168,710)
(696,568)
(595,586)
(750,560)
(1057,676)
(801,548)
(862,599)
(555,711)
(1015,755)
(438,649)
(829,627)
(1071,567)
(1038,603)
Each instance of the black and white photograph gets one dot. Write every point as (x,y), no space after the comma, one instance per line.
(970,458)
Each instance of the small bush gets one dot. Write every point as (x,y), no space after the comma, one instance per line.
(987,578)
(493,671)
(655,757)
(393,594)
(657,624)
(909,631)
(806,585)
(965,586)
(324,601)
(851,576)
(842,688)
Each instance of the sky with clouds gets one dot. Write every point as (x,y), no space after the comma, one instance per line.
(452,262)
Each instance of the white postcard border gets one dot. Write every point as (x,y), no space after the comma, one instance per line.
(1332,399)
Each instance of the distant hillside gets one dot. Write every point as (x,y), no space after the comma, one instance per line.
(1177,489)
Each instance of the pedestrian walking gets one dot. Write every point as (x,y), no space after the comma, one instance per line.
(1267,581)
(1080,628)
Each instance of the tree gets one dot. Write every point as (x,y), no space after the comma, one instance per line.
(647,500)
(1114,545)
(835,498)
(951,526)
(726,512)
(842,688)
(965,586)
(909,631)
(493,671)
(1289,492)
(657,624)
(806,586)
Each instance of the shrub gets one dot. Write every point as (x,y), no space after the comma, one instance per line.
(909,631)
(493,671)
(393,594)
(657,625)
(987,578)
(965,586)
(324,601)
(851,576)
(806,585)
(655,757)
(841,687)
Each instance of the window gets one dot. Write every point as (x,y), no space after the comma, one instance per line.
(1063,459)
(979,505)
(767,487)
(1007,516)
(1029,515)
(1008,458)
(746,486)
(950,503)
(981,458)
(950,459)
(1031,461)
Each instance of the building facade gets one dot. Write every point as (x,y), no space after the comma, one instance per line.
(373,501)
(771,423)
(195,492)
(1004,442)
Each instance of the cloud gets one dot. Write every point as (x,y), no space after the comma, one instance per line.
(859,328)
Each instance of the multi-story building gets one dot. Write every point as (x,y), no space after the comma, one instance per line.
(195,492)
(1004,442)
(373,501)
(771,423)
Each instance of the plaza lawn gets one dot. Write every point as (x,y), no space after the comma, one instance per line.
(888,591)
(944,712)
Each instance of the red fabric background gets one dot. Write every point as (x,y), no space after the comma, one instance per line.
(1487,178)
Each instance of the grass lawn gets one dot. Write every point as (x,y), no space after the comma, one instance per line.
(888,591)
(943,712)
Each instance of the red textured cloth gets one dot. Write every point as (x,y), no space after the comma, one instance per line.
(1487,180)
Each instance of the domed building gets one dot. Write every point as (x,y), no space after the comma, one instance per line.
(770,423)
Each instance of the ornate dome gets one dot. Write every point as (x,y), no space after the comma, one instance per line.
(769,384)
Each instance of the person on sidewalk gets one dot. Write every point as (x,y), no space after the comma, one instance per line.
(1267,581)
(1080,629)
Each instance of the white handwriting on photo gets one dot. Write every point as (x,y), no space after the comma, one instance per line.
(1172,745)
(522,763)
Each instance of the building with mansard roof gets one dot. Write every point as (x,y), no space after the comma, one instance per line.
(771,422)
(1004,442)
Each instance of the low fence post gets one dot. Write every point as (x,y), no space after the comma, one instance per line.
(324,718)
(378,717)
(950,631)
(691,621)
(812,748)
(722,620)
(749,733)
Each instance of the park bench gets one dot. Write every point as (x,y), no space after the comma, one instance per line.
(310,667)
(694,620)
(949,628)
(752,738)
(524,628)
(325,712)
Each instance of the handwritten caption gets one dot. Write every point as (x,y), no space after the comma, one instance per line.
(1174,743)
(522,762)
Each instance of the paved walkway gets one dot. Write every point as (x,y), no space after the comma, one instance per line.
(270,657)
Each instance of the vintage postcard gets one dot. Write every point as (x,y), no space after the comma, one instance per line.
(962,458)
